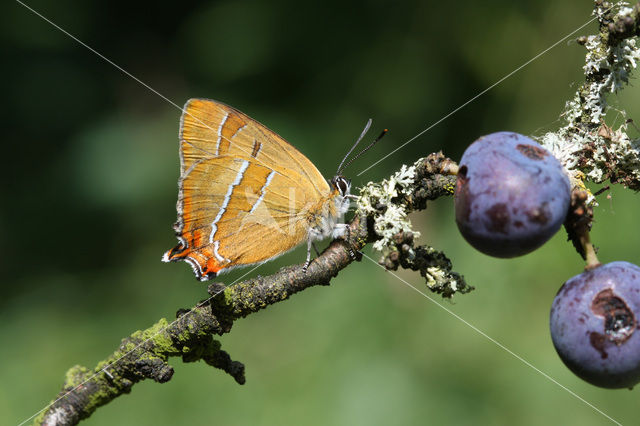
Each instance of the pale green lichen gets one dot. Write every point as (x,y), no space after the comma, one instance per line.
(57,416)
(76,376)
(588,149)
(435,276)
(37,421)
(388,204)
(393,217)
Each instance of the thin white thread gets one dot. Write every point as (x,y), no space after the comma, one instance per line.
(134,77)
(481,93)
(494,341)
(137,346)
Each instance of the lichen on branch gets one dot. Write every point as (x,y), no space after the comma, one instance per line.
(589,149)
(145,354)
(142,355)
(388,204)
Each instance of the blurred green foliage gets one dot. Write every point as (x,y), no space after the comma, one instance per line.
(90,166)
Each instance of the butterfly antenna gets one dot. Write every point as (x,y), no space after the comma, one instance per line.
(384,132)
(364,132)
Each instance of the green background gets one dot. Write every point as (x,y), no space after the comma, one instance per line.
(90,164)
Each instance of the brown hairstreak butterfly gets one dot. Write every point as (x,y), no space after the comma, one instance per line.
(246,195)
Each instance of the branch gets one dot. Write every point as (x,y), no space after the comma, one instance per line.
(145,354)
(587,147)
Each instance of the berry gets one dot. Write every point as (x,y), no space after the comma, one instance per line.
(594,322)
(511,195)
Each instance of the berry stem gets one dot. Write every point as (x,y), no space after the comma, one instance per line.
(578,226)
(589,251)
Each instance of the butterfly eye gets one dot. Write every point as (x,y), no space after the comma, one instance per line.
(342,185)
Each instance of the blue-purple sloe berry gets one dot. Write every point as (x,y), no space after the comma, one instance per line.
(594,325)
(511,195)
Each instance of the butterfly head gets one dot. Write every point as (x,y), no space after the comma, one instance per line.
(342,185)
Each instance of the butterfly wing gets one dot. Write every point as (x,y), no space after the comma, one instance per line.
(209,128)
(245,193)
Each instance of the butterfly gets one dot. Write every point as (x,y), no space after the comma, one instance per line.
(246,195)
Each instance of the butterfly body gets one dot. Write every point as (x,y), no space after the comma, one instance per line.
(245,195)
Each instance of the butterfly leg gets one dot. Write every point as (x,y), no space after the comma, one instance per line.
(342,230)
(315,249)
(308,261)
(347,240)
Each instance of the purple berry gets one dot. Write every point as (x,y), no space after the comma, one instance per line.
(511,196)
(594,322)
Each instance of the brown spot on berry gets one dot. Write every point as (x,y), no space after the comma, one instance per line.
(619,321)
(539,215)
(533,152)
(498,215)
(598,342)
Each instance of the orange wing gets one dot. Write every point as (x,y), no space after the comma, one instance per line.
(245,194)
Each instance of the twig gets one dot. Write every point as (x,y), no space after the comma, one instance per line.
(145,354)
(588,148)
